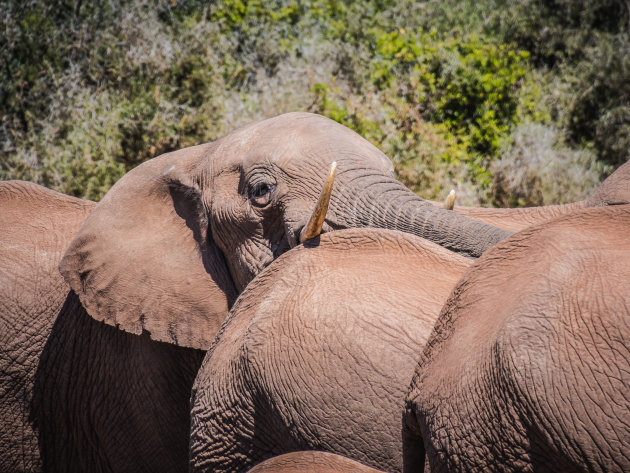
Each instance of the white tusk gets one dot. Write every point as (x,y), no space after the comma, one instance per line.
(450,200)
(314,226)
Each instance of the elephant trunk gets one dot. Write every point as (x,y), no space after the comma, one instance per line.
(386,203)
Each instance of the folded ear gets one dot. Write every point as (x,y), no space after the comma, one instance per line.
(144,259)
(615,189)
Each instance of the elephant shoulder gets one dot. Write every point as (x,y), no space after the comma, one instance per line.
(566,342)
(36,226)
(559,279)
(320,326)
(506,311)
(349,278)
(526,341)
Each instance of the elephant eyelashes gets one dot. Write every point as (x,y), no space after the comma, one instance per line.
(260,194)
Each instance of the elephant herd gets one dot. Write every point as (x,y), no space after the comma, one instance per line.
(203,317)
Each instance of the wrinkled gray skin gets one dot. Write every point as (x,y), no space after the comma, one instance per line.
(615,190)
(163,256)
(106,400)
(528,367)
(77,395)
(311,462)
(318,351)
(36,226)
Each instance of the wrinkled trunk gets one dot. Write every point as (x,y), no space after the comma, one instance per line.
(386,203)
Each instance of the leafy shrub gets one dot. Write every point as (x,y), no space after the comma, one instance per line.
(79,160)
(426,158)
(586,45)
(467,87)
(469,83)
(90,90)
(536,168)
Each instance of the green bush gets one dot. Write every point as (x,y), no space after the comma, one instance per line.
(586,46)
(90,90)
(537,168)
(467,87)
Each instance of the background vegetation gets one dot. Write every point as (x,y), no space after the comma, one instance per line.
(512,103)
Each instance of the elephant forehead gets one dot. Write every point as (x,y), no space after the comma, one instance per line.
(293,137)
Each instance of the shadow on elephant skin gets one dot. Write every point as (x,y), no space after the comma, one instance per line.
(97,386)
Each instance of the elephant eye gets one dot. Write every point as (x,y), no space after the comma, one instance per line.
(260,194)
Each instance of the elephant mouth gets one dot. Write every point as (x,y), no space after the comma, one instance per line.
(278,249)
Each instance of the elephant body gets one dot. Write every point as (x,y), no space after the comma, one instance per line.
(77,395)
(106,400)
(36,227)
(528,367)
(318,351)
(311,462)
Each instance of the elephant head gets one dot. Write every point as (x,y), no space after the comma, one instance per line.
(176,239)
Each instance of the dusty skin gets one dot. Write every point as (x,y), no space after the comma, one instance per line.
(161,260)
(318,352)
(528,367)
(311,462)
(36,227)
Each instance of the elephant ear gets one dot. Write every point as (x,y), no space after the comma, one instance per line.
(615,189)
(144,259)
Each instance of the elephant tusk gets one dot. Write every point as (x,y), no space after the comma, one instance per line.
(314,226)
(450,200)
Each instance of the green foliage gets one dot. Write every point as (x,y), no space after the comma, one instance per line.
(586,45)
(79,160)
(555,31)
(537,168)
(426,157)
(341,113)
(467,86)
(446,89)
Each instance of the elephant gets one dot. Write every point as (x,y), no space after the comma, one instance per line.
(318,350)
(157,263)
(528,366)
(222,211)
(614,190)
(311,462)
(61,371)
(36,225)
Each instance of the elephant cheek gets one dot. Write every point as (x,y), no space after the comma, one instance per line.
(251,258)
